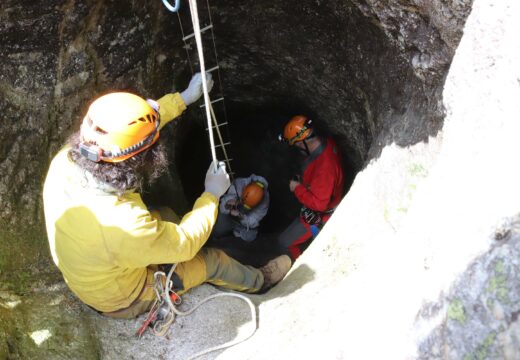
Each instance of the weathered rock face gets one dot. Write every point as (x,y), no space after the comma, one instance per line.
(369,72)
(55,57)
(478,316)
(330,60)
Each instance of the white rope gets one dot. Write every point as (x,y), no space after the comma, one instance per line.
(210,116)
(226,156)
(198,39)
(232,342)
(160,328)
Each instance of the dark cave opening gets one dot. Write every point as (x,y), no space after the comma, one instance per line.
(255,149)
(345,74)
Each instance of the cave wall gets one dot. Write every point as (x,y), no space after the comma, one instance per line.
(55,56)
(371,73)
(420,261)
(362,69)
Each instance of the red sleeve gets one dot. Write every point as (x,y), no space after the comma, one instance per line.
(317,194)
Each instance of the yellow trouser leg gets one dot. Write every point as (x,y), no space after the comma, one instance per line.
(215,267)
(209,265)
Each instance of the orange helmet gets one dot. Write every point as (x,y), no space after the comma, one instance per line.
(252,194)
(297,129)
(118,126)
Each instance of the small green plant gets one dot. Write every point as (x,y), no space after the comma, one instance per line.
(417,170)
(456,311)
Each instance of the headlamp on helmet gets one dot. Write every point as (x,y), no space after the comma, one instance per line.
(118,126)
(297,129)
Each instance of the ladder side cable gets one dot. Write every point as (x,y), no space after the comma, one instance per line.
(185,44)
(213,117)
(210,116)
(200,51)
(219,81)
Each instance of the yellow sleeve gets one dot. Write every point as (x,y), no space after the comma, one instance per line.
(171,106)
(148,240)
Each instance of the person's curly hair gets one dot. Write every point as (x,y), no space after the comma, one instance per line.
(133,173)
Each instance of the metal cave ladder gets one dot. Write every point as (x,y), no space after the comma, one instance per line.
(217,106)
(167,299)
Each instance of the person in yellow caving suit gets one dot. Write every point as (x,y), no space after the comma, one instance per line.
(104,239)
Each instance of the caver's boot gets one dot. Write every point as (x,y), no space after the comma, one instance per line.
(275,270)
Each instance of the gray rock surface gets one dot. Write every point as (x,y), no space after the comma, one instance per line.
(419,261)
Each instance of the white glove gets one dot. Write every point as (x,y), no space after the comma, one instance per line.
(217,182)
(194,90)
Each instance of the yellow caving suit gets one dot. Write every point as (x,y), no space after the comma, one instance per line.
(107,246)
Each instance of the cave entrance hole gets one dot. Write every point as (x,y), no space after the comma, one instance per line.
(255,149)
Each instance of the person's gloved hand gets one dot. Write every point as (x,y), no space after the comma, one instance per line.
(293,185)
(217,182)
(194,90)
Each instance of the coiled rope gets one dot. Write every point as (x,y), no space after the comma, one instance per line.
(163,296)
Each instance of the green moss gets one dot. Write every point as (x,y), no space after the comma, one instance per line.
(72,333)
(492,285)
(23,253)
(417,170)
(411,191)
(386,215)
(490,303)
(498,284)
(499,267)
(456,311)
(483,349)
(503,294)
(4,334)
(21,282)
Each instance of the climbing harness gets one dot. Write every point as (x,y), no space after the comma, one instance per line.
(313,217)
(160,317)
(164,309)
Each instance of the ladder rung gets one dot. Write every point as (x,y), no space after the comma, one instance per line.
(187,37)
(213,101)
(214,127)
(221,145)
(212,69)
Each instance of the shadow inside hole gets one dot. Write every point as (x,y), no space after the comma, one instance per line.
(255,149)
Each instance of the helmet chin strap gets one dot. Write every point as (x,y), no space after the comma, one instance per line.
(305,151)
